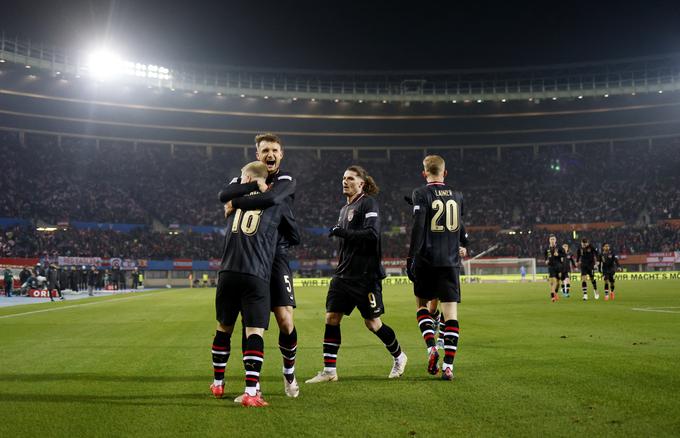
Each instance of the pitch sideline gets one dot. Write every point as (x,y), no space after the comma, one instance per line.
(84,304)
(657,309)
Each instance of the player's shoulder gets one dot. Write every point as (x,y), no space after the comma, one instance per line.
(282,175)
(368,202)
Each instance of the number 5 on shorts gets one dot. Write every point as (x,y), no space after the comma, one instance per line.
(286,279)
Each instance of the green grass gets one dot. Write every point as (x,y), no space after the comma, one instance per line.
(140,365)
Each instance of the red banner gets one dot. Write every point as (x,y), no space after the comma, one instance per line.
(16,261)
(183,264)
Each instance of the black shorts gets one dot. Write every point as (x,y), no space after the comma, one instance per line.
(242,293)
(554,272)
(565,275)
(281,283)
(366,295)
(608,276)
(437,282)
(588,270)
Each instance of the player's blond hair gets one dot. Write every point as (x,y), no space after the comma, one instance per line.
(434,165)
(256,169)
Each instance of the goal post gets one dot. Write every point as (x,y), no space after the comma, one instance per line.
(500,269)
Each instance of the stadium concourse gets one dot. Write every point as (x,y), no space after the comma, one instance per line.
(169,203)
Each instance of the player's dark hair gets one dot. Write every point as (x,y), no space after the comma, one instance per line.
(552,235)
(370,187)
(269,137)
(584,240)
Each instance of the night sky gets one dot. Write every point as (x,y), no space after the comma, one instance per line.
(359,36)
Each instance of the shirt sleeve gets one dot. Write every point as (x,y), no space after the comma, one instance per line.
(463,236)
(419,219)
(288,227)
(234,189)
(370,230)
(283,187)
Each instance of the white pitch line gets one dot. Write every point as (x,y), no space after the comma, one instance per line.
(78,305)
(657,309)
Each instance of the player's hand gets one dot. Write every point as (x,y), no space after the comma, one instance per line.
(337,230)
(228,209)
(462,251)
(409,269)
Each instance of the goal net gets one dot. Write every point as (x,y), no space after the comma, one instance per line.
(500,269)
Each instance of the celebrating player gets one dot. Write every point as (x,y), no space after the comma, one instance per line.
(568,264)
(438,240)
(609,264)
(243,287)
(281,191)
(587,257)
(554,258)
(357,279)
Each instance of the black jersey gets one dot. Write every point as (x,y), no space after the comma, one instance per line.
(587,256)
(609,262)
(250,241)
(281,191)
(360,248)
(554,255)
(569,262)
(438,230)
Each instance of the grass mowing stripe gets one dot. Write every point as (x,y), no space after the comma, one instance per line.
(90,303)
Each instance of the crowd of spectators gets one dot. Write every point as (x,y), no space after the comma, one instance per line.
(49,181)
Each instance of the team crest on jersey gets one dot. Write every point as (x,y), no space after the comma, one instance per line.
(350,215)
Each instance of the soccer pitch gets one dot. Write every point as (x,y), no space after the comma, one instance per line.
(140,364)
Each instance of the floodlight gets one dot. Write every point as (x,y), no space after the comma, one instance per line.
(104,64)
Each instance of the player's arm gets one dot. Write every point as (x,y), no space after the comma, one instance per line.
(283,187)
(463,236)
(235,190)
(419,220)
(572,262)
(578,255)
(288,227)
(370,230)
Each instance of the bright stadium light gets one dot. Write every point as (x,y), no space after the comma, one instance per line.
(580,97)
(104,64)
